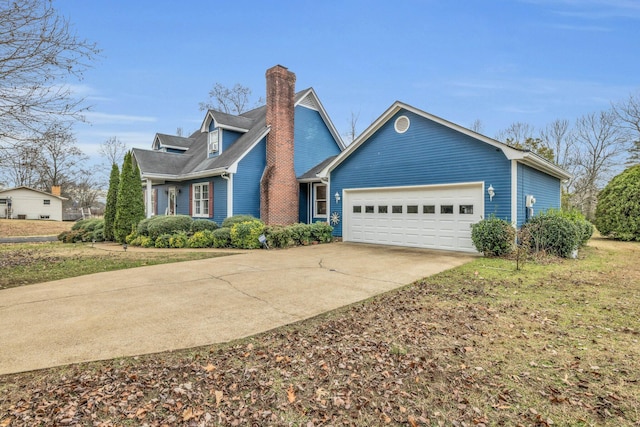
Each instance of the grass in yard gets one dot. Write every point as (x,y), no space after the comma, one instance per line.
(553,344)
(28,263)
(29,227)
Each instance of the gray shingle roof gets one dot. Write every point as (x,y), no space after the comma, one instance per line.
(311,174)
(195,161)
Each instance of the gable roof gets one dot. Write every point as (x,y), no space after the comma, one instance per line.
(526,157)
(312,174)
(24,187)
(171,141)
(195,162)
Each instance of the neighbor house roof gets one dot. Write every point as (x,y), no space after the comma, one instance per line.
(524,156)
(195,162)
(24,187)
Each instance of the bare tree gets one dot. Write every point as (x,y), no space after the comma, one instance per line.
(352,131)
(113,150)
(38,54)
(60,157)
(477,126)
(84,190)
(20,165)
(601,142)
(516,132)
(559,137)
(235,100)
(628,113)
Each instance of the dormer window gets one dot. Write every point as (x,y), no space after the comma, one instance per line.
(214,141)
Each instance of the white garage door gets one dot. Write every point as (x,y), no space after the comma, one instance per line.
(435,217)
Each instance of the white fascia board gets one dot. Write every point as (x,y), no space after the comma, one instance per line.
(509,152)
(204,127)
(231,128)
(325,117)
(185,177)
(234,167)
(175,147)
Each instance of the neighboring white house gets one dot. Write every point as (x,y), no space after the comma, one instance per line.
(27,203)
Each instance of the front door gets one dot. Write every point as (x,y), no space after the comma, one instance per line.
(171,208)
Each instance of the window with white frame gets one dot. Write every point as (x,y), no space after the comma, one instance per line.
(214,141)
(320,200)
(201,199)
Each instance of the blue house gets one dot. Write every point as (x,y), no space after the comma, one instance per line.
(414,179)
(262,162)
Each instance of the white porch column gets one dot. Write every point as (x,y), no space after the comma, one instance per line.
(148,202)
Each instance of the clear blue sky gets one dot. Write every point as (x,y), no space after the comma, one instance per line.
(499,61)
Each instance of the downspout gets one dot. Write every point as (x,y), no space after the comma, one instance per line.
(229,178)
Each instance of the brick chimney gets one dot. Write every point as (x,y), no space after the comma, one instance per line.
(279,186)
(55,190)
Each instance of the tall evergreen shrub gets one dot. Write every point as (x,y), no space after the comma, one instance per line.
(130,203)
(112,199)
(618,210)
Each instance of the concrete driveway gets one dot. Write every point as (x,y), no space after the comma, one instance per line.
(195,303)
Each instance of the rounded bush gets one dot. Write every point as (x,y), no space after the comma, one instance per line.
(143,226)
(203,224)
(618,209)
(179,240)
(237,219)
(146,242)
(168,224)
(493,237)
(162,241)
(278,236)
(201,239)
(552,233)
(222,238)
(301,234)
(585,228)
(245,235)
(321,232)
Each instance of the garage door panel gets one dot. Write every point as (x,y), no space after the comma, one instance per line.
(413,216)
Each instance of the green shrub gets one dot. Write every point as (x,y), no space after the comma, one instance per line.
(552,233)
(179,240)
(618,209)
(493,237)
(300,233)
(203,224)
(245,235)
(321,232)
(89,224)
(278,236)
(222,238)
(584,226)
(137,241)
(146,242)
(201,239)
(162,241)
(143,226)
(168,224)
(131,237)
(98,235)
(237,219)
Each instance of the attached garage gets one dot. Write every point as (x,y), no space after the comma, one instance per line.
(434,217)
(414,179)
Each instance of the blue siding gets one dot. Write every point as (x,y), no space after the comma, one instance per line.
(313,141)
(426,154)
(228,138)
(545,189)
(246,182)
(162,198)
(219,199)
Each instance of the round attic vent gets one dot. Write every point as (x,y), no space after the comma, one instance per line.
(402,124)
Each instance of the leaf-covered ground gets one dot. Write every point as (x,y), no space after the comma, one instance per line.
(554,344)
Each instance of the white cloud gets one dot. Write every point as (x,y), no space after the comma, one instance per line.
(95,117)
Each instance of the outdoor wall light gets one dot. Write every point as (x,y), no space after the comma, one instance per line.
(337,196)
(491,192)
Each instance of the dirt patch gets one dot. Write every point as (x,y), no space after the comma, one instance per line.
(26,227)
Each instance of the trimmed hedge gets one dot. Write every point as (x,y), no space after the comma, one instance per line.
(84,230)
(493,237)
(203,224)
(201,239)
(222,238)
(245,235)
(168,224)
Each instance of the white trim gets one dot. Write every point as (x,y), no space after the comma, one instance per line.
(314,213)
(208,118)
(193,199)
(514,193)
(234,166)
(511,153)
(149,201)
(397,128)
